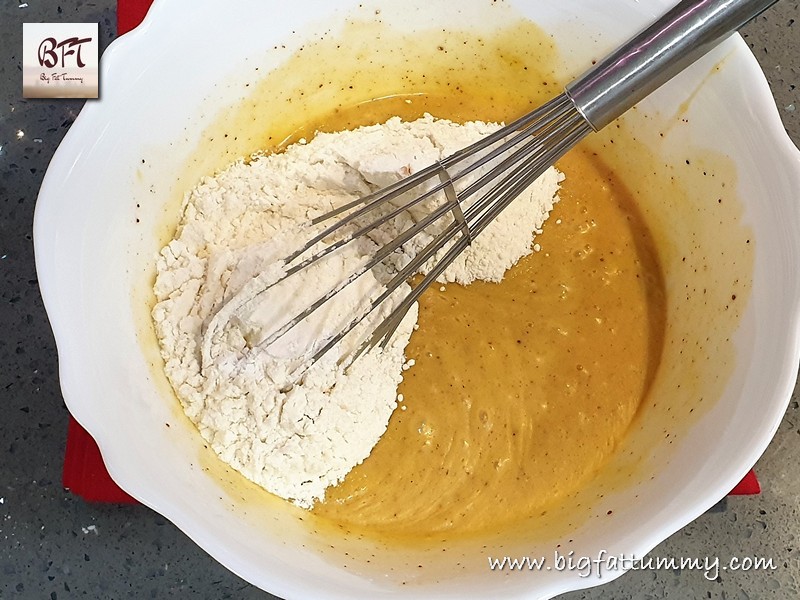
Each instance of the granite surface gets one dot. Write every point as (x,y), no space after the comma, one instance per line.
(54,545)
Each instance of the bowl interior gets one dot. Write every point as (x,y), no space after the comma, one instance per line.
(720,204)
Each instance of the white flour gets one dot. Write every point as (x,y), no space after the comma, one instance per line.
(236,228)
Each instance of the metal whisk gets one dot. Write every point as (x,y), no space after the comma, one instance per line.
(495,170)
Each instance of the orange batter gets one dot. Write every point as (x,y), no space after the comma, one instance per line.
(521,389)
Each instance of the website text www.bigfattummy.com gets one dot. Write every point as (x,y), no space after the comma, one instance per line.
(606,563)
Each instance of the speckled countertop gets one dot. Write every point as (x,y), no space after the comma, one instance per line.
(54,545)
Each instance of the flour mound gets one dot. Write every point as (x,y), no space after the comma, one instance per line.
(215,310)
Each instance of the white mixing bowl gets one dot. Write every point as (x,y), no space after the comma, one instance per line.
(109,200)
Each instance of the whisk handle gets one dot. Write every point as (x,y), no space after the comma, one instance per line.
(654,56)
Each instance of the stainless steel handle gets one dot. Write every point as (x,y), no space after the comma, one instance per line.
(656,55)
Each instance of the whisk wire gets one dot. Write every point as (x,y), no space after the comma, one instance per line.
(384,251)
(454,202)
(483,212)
(503,165)
(397,314)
